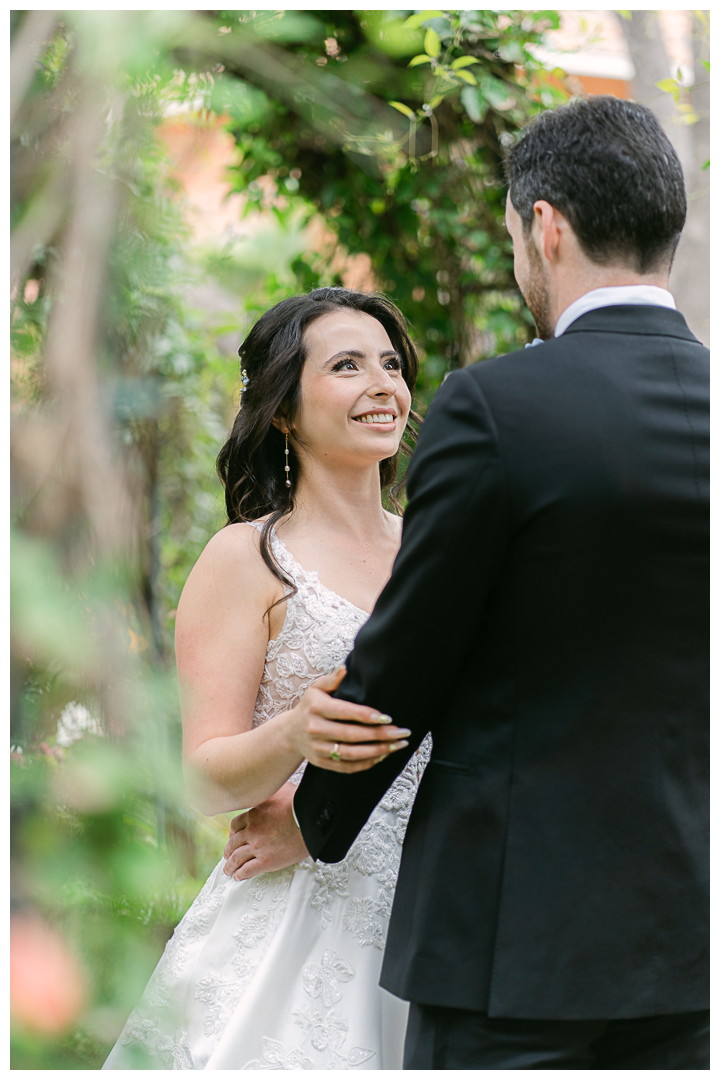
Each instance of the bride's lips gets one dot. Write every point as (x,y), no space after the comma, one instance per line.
(378,419)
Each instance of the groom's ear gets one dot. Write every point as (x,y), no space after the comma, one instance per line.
(551,230)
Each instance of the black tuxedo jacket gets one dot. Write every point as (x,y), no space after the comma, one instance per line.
(547,621)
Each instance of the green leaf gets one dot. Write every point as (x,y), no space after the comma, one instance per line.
(463,62)
(512,52)
(389,34)
(421,17)
(706,64)
(243,103)
(625,15)
(706,165)
(670,86)
(550,17)
(402,108)
(435,101)
(421,59)
(475,104)
(467,76)
(496,91)
(432,43)
(286,27)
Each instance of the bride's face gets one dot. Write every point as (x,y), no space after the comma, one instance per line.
(354,401)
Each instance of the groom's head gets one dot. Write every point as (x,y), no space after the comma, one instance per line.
(600,177)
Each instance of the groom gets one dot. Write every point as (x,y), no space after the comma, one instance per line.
(547,621)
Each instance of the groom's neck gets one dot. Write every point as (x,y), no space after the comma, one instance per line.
(574,278)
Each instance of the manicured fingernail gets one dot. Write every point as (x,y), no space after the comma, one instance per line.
(404,731)
(339,669)
(382,758)
(380,718)
(398,745)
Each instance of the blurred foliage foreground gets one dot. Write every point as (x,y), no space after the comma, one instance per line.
(387,128)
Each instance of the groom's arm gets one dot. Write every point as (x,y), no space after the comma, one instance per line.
(407,656)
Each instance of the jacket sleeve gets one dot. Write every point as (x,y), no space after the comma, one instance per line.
(409,653)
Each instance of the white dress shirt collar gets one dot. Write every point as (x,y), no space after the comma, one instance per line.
(613,294)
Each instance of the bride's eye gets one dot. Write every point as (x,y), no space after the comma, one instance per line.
(393,364)
(345,365)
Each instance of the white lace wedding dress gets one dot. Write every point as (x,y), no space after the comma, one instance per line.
(281,971)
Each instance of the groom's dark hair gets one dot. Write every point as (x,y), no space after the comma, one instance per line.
(610,169)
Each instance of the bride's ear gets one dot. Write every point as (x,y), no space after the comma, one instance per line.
(281,424)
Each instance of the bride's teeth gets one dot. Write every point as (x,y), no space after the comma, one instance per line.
(376,418)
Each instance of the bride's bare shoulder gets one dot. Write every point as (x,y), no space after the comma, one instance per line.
(230,568)
(233,547)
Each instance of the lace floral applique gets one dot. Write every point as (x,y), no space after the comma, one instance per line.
(138,1030)
(221,994)
(176,1049)
(357,1056)
(278,881)
(399,800)
(321,980)
(374,849)
(172,1050)
(359,919)
(275,1056)
(324,1032)
(158,990)
(195,924)
(330,1032)
(252,928)
(331,880)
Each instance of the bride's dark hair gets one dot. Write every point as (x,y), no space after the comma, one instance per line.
(250,464)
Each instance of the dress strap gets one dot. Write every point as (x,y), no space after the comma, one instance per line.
(307,582)
(285,558)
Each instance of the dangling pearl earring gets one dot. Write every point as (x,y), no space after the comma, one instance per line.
(287,467)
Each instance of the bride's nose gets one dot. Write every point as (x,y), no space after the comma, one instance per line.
(386,386)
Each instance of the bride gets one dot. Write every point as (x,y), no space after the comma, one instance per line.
(278,968)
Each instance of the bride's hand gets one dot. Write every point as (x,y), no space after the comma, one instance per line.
(345,747)
(264,838)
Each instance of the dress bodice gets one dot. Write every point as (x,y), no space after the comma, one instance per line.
(316,636)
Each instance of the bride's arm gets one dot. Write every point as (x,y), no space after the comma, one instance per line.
(221,639)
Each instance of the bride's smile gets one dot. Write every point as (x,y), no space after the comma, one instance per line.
(378,419)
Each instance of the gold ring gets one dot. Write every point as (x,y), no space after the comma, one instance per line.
(334,753)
